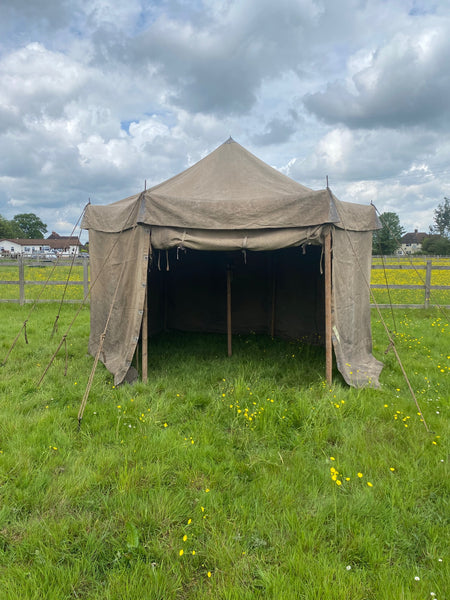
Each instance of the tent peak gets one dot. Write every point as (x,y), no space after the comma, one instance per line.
(230,141)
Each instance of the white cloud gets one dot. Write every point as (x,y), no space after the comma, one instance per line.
(404,82)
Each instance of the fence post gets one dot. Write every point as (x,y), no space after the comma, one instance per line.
(21,281)
(85,276)
(427,285)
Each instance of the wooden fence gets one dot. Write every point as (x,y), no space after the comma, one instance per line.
(427,288)
(22,282)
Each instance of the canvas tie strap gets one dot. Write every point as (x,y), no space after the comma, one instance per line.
(244,249)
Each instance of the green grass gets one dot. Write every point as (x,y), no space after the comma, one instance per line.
(241,455)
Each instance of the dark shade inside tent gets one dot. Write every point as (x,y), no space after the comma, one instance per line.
(266,296)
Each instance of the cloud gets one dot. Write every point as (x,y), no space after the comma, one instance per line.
(403,83)
(277,131)
(218,64)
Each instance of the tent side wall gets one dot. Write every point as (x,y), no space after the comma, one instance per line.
(351,327)
(119,263)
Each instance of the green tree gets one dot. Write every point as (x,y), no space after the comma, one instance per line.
(9,229)
(387,239)
(442,219)
(436,244)
(31,225)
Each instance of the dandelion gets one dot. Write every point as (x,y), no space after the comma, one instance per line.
(181,552)
(193,552)
(209,573)
(369,484)
(416,578)
(392,469)
(360,475)
(184,537)
(338,482)
(189,521)
(165,425)
(207,490)
(348,567)
(332,458)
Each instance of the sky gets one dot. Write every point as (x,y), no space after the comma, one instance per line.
(100,98)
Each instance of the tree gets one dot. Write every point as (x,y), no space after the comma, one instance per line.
(387,239)
(10,229)
(436,244)
(31,225)
(442,219)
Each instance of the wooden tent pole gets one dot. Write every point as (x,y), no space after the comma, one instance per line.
(328,292)
(144,336)
(230,350)
(273,300)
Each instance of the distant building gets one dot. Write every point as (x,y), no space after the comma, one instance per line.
(412,242)
(55,244)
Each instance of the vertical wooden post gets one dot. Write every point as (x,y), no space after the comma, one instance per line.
(21,281)
(427,285)
(144,337)
(328,292)
(229,337)
(274,299)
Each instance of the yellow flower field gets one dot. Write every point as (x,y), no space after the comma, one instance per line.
(411,273)
(46,276)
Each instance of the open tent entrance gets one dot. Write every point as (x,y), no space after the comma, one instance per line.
(279,292)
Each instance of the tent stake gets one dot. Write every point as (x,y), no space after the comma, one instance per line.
(328,344)
(144,336)
(230,351)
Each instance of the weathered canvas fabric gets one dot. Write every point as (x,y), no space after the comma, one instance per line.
(223,207)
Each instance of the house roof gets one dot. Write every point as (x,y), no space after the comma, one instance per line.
(416,237)
(61,242)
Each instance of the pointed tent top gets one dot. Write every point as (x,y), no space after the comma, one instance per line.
(230,189)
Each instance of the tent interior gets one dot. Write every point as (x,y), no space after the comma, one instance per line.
(278,292)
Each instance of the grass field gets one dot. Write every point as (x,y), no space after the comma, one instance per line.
(223,478)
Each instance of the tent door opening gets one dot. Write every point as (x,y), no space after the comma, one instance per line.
(279,293)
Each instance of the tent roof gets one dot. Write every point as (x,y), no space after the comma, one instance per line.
(230,189)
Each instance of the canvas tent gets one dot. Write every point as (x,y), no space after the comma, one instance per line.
(230,226)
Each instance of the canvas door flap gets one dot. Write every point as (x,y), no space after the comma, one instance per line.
(119,276)
(351,327)
(163,238)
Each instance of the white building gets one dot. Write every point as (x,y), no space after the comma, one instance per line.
(53,245)
(411,242)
